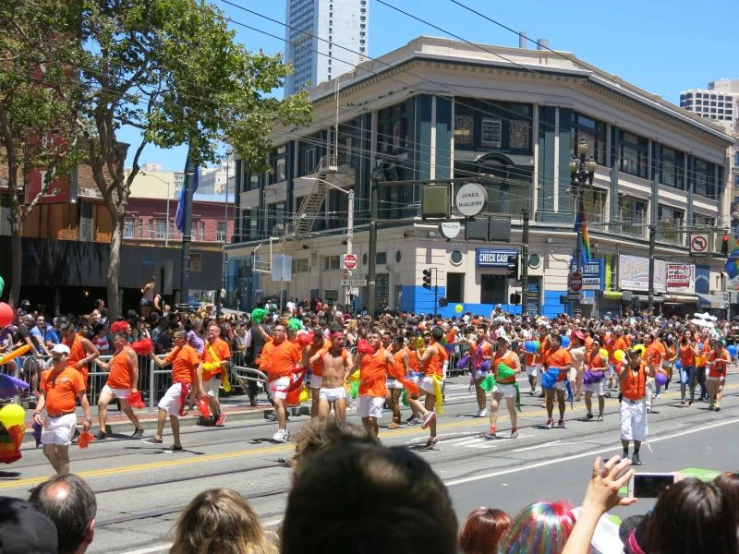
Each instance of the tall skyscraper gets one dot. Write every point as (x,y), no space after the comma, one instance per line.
(316,31)
(719,102)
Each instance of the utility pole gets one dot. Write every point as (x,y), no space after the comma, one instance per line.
(186,233)
(652,237)
(525,263)
(436,291)
(372,270)
(582,172)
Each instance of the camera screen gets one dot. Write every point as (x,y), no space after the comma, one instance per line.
(650,486)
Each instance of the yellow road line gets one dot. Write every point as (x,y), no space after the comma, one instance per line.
(180,462)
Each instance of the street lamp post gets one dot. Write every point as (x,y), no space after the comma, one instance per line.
(186,234)
(349,219)
(582,172)
(169,196)
(222,299)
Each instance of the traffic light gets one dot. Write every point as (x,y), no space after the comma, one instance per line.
(512,267)
(427,278)
(443,302)
(725,245)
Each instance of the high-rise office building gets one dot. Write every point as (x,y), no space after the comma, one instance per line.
(324,38)
(719,102)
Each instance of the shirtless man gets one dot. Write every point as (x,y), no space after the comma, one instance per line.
(336,365)
(318,345)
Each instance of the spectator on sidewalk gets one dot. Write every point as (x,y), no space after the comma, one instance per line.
(24,529)
(370,498)
(483,531)
(220,521)
(70,503)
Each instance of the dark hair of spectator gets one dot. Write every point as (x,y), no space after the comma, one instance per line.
(729,484)
(483,530)
(371,499)
(692,516)
(72,513)
(317,436)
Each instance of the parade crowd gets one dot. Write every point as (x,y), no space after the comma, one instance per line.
(391,499)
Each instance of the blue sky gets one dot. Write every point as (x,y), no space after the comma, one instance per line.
(663,46)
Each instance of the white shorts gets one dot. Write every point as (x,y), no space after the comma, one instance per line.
(633,420)
(533,370)
(315,381)
(716,379)
(427,385)
(123,394)
(560,385)
(371,406)
(278,387)
(211,386)
(507,391)
(171,400)
(332,395)
(598,389)
(59,430)
(394,384)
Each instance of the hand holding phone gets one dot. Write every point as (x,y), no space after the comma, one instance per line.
(650,485)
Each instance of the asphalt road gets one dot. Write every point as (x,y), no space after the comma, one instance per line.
(141,489)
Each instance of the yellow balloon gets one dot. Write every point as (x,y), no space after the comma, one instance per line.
(603,352)
(618,355)
(641,349)
(459,308)
(12,415)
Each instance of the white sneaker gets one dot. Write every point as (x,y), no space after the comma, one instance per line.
(481,413)
(282,435)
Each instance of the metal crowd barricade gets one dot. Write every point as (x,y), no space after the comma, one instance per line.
(159,380)
(96,378)
(242,375)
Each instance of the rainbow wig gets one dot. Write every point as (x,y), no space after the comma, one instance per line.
(540,528)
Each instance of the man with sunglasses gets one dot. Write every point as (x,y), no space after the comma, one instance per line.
(60,386)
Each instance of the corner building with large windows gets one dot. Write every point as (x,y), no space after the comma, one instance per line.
(511,120)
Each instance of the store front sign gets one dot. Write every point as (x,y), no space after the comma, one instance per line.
(494,257)
(681,278)
(593,274)
(633,274)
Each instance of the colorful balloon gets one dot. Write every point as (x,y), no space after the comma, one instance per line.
(733,350)
(6,314)
(641,349)
(618,355)
(459,308)
(660,378)
(12,415)
(565,341)
(603,352)
(2,286)
(531,346)
(4,359)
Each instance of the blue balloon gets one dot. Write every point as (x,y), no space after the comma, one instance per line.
(733,350)
(678,365)
(565,341)
(530,346)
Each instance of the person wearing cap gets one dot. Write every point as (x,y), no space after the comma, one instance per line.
(25,529)
(61,386)
(505,387)
(633,412)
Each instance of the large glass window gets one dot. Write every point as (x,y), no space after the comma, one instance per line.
(331,263)
(594,202)
(393,129)
(455,287)
(161,228)
(703,221)
(672,168)
(705,179)
(278,163)
(221,231)
(632,215)
(485,125)
(593,133)
(493,289)
(670,224)
(276,218)
(634,155)
(128,226)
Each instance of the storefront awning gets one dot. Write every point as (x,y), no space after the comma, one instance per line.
(681,299)
(645,298)
(612,294)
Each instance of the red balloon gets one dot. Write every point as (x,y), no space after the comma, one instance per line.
(6,314)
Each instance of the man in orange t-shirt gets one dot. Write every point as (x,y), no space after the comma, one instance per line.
(373,370)
(185,374)
(280,358)
(558,360)
(216,355)
(123,376)
(318,344)
(61,386)
(81,350)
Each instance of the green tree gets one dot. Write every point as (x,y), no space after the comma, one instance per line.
(38,97)
(173,70)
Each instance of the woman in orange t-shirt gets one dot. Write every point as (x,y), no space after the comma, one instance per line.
(716,361)
(559,360)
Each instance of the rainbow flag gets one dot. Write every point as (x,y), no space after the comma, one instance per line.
(581,223)
(732,264)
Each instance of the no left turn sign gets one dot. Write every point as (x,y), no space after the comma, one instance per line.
(699,244)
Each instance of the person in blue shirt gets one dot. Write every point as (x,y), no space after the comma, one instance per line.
(44,335)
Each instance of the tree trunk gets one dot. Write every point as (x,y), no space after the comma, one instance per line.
(16,252)
(114,263)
